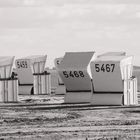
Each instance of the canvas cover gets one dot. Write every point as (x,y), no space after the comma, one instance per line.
(24,71)
(38,63)
(28,65)
(74,71)
(6,63)
(108,73)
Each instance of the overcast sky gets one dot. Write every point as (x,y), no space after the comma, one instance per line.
(52,27)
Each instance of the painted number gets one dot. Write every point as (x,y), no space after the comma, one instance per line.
(22,64)
(57,62)
(73,74)
(104,67)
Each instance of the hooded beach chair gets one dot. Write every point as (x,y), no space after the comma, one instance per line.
(75,73)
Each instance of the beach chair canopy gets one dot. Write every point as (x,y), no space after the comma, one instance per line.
(27,66)
(108,72)
(73,70)
(6,63)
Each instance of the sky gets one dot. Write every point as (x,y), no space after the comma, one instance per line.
(53,27)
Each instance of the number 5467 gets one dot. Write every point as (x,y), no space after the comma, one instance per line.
(104,67)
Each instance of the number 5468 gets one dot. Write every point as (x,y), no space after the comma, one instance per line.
(73,74)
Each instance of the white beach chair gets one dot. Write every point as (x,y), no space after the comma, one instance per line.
(25,68)
(74,72)
(111,77)
(8,84)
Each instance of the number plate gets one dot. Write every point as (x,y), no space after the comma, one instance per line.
(73,74)
(22,64)
(104,67)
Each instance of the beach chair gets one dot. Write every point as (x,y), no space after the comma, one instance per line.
(75,73)
(112,81)
(8,84)
(29,70)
